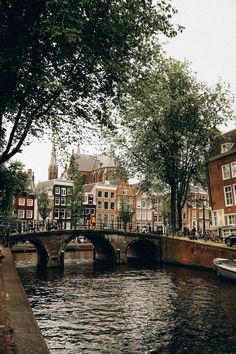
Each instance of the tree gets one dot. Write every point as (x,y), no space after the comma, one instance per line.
(171,120)
(125,213)
(61,62)
(44,204)
(13,180)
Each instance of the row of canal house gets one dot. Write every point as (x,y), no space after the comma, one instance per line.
(103,192)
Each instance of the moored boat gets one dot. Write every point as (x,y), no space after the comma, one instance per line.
(225,267)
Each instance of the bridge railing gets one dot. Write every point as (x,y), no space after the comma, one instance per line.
(8,229)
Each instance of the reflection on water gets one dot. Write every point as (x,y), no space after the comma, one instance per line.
(96,309)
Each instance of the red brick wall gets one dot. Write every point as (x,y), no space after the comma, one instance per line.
(194,253)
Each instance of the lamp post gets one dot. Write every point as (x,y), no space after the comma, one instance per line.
(203,214)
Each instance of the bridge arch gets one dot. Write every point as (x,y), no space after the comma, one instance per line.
(142,250)
(103,249)
(42,254)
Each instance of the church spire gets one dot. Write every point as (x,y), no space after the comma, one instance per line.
(53,168)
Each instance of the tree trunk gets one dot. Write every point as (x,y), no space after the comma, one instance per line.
(173,190)
(179,212)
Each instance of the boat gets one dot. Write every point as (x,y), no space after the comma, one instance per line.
(225,267)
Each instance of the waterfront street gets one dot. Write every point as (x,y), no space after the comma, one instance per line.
(19,332)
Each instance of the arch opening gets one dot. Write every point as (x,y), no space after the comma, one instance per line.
(142,251)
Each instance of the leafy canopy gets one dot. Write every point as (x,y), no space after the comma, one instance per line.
(13,181)
(170,120)
(62,61)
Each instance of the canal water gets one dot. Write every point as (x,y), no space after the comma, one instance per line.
(131,309)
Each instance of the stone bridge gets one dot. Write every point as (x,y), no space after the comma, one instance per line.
(109,245)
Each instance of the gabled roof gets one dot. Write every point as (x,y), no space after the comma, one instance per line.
(53,182)
(89,163)
(226,138)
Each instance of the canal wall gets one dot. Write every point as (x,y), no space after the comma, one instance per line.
(194,253)
(19,331)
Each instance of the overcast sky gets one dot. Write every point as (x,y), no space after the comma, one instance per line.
(208,42)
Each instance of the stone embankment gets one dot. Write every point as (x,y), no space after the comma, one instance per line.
(196,253)
(19,331)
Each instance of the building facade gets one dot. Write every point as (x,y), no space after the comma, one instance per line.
(222,184)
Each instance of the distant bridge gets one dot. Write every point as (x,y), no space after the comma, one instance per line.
(113,246)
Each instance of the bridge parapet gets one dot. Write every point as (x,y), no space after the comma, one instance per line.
(114,246)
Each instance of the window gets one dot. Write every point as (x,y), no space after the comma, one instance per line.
(92,211)
(112,194)
(225,172)
(105,219)
(112,205)
(57,190)
(57,200)
(21,201)
(63,201)
(143,203)
(29,214)
(30,202)
(200,214)
(69,191)
(215,219)
(99,194)
(233,169)
(138,214)
(138,203)
(194,214)
(231,219)
(21,214)
(228,195)
(63,213)
(87,211)
(99,205)
(63,191)
(149,215)
(143,214)
(105,205)
(226,147)
(194,205)
(69,201)
(56,213)
(106,194)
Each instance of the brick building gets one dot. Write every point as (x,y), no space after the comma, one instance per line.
(222,183)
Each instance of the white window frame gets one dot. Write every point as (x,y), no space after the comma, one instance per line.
(56,213)
(21,201)
(57,190)
(29,202)
(233,169)
(63,191)
(29,214)
(225,171)
(69,191)
(63,200)
(63,213)
(214,218)
(21,213)
(57,200)
(226,195)
(231,219)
